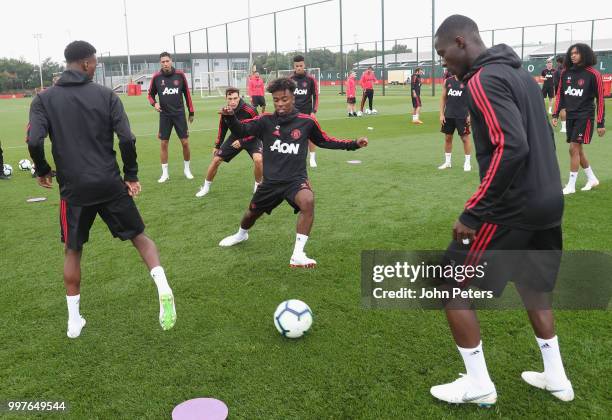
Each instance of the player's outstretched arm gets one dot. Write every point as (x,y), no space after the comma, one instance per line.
(127,140)
(321,139)
(38,129)
(500,114)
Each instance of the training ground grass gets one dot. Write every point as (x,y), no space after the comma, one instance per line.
(354,363)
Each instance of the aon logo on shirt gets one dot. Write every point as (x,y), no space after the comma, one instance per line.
(170,91)
(300,91)
(573,91)
(453,92)
(280,147)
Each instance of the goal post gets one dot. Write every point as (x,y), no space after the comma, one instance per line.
(213,83)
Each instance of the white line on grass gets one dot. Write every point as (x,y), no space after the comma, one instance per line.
(201,130)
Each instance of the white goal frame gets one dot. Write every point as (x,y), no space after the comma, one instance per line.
(212,84)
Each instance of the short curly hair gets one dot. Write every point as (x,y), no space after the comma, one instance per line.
(78,50)
(281,84)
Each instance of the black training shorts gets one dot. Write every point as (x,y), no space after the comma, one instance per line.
(452,124)
(228,152)
(120,215)
(269,195)
(168,121)
(528,258)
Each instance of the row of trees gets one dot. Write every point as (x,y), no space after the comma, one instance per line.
(19,75)
(325,59)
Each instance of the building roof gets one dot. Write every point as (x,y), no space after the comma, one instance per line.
(535,51)
(179,57)
(545,50)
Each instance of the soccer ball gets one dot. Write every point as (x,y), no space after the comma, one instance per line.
(374,112)
(368,112)
(7,169)
(25,165)
(292,318)
(359,113)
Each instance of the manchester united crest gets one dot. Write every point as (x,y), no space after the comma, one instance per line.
(176,83)
(296,134)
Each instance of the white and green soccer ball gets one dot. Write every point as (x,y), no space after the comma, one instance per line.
(25,165)
(292,318)
(359,113)
(7,169)
(367,111)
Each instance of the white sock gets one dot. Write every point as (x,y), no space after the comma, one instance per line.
(73,303)
(447,158)
(563,125)
(590,174)
(572,179)
(550,110)
(414,117)
(312,156)
(159,277)
(475,365)
(300,243)
(242,232)
(186,163)
(553,365)
(467,158)
(164,169)
(207,183)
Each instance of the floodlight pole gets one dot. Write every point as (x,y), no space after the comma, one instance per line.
(433,50)
(173,45)
(208,60)
(250,44)
(38,37)
(382,74)
(127,40)
(275,47)
(555,49)
(191,62)
(341,54)
(305,36)
(522,43)
(227,59)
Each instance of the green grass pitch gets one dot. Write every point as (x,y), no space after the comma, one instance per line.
(354,364)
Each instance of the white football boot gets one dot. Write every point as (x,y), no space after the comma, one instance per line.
(74,328)
(565,392)
(233,239)
(301,261)
(590,185)
(204,189)
(464,390)
(569,190)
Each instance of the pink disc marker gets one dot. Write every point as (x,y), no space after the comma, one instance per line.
(200,409)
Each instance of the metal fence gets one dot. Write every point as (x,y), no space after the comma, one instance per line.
(295,27)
